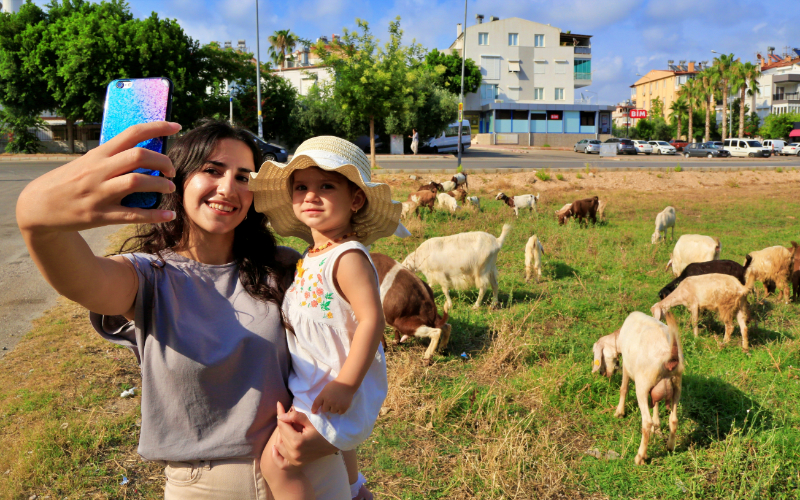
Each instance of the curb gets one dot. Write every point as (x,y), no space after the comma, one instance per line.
(615,168)
(39,157)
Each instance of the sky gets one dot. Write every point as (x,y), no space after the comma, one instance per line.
(628,36)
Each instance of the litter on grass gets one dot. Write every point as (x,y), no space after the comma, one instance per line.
(129,393)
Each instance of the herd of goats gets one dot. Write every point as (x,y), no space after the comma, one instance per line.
(651,349)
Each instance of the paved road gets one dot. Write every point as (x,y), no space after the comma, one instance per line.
(24,294)
(477,159)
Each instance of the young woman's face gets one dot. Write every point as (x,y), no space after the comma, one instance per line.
(324,201)
(215,197)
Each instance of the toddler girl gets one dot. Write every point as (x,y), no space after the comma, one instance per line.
(338,378)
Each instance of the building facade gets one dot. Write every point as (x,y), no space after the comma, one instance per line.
(530,72)
(663,85)
(303,70)
(779,84)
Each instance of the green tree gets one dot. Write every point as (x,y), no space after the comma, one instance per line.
(20,128)
(679,110)
(778,126)
(657,107)
(708,78)
(278,99)
(752,123)
(282,44)
(450,78)
(690,92)
(725,68)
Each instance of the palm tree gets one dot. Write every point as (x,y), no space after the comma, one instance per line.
(678,111)
(738,83)
(708,78)
(752,72)
(282,44)
(724,64)
(690,91)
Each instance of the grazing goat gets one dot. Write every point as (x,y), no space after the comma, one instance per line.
(563,210)
(475,202)
(772,265)
(460,179)
(460,261)
(664,220)
(729,267)
(519,202)
(795,276)
(601,210)
(582,210)
(459,194)
(652,356)
(408,207)
(711,292)
(408,306)
(423,198)
(447,201)
(432,186)
(533,253)
(693,248)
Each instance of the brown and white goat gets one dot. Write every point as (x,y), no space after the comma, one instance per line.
(772,265)
(519,202)
(582,210)
(459,194)
(432,186)
(423,198)
(408,306)
(711,292)
(653,358)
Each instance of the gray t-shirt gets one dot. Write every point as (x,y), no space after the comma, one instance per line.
(214,360)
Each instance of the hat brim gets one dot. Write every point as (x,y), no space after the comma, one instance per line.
(272,197)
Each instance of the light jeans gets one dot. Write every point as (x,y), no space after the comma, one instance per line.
(240,479)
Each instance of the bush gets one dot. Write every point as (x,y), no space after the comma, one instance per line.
(559,177)
(21,132)
(545,145)
(578,176)
(678,167)
(779,170)
(543,176)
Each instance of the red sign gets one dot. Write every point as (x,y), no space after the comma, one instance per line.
(555,117)
(638,113)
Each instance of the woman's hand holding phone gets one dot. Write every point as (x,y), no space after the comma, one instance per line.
(87,192)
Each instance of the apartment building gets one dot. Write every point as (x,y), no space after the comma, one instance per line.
(663,84)
(530,73)
(303,70)
(779,84)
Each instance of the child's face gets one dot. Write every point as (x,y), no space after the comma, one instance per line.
(324,201)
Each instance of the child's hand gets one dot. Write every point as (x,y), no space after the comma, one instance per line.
(334,398)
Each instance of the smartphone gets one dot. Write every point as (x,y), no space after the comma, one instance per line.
(132,101)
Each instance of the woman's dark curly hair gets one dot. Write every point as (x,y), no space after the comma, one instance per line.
(254,246)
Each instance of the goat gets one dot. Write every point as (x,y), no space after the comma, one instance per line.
(533,252)
(518,202)
(408,207)
(432,186)
(693,248)
(711,292)
(460,261)
(409,307)
(459,194)
(729,267)
(772,265)
(664,220)
(653,358)
(582,210)
(601,210)
(475,201)
(795,276)
(460,179)
(423,198)
(563,210)
(447,201)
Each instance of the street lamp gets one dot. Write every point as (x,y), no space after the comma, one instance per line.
(258,78)
(461,102)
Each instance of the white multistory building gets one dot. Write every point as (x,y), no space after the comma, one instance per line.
(10,6)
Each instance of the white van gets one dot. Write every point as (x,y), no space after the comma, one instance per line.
(745,147)
(774,145)
(448,140)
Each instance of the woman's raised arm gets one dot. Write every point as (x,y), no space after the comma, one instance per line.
(84,194)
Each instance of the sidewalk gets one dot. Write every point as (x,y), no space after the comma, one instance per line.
(39,157)
(515,149)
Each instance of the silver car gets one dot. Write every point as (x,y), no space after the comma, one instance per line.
(663,148)
(587,146)
(643,147)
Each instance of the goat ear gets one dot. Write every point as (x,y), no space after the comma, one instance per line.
(656,312)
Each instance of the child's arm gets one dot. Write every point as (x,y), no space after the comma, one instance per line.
(356,279)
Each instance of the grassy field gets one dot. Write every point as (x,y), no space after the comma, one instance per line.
(511,417)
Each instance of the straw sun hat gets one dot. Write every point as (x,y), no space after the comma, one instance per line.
(379,218)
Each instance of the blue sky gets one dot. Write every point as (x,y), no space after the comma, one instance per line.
(629,36)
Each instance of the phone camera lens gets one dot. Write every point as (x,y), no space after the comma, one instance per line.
(120,85)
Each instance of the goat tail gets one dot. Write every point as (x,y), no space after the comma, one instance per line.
(503,234)
(750,281)
(668,264)
(673,332)
(442,320)
(747,260)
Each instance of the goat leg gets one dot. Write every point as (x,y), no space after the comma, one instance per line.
(695,318)
(623,393)
(673,414)
(642,393)
(741,317)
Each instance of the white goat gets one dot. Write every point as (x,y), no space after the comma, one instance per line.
(533,253)
(460,261)
(711,292)
(773,265)
(692,248)
(447,201)
(460,179)
(448,186)
(475,201)
(408,207)
(518,202)
(653,358)
(601,209)
(665,219)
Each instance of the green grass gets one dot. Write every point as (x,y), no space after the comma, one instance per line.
(678,168)
(543,175)
(560,177)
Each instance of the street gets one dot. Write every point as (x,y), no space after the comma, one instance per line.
(24,294)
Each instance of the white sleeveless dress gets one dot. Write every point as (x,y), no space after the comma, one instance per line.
(324,325)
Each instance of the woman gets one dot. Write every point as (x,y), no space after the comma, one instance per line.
(414,140)
(202,296)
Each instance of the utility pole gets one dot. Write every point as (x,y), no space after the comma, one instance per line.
(461,102)
(258,77)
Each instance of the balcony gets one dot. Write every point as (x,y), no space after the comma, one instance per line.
(786,98)
(583,76)
(583,50)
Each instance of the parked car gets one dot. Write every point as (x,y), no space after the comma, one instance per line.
(775,145)
(663,148)
(746,147)
(587,146)
(362,141)
(643,147)
(718,144)
(707,149)
(791,149)
(269,151)
(678,145)
(624,146)
(448,139)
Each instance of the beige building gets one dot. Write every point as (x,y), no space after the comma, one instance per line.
(664,85)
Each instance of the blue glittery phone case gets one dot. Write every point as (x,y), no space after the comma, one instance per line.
(132,101)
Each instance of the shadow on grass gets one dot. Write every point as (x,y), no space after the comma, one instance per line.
(559,271)
(717,406)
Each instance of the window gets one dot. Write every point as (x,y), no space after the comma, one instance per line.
(538,67)
(512,39)
(538,94)
(561,67)
(488,91)
(587,119)
(513,66)
(490,67)
(559,94)
(513,93)
(538,41)
(483,38)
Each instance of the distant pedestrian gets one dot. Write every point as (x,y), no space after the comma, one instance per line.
(414,140)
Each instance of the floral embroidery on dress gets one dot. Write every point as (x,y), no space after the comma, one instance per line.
(310,285)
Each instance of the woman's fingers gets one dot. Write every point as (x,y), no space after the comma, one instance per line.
(126,215)
(132,136)
(121,186)
(131,159)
